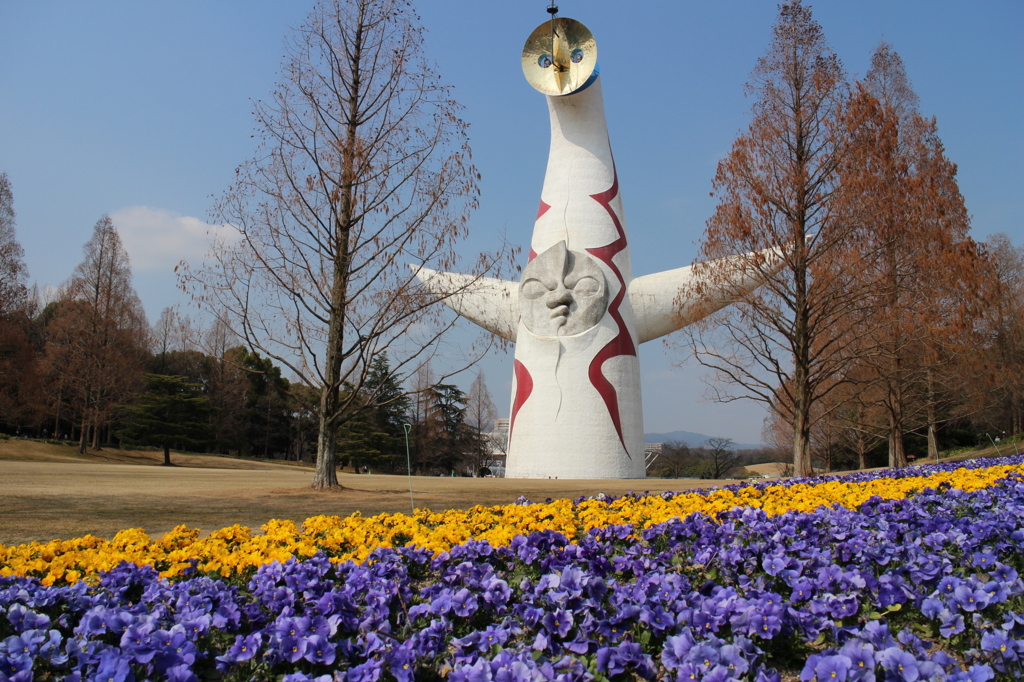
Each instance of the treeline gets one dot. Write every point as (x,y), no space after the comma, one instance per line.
(881,329)
(87,367)
(716,458)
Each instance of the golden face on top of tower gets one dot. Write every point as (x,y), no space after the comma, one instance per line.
(559,57)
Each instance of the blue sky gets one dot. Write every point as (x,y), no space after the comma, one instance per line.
(143,109)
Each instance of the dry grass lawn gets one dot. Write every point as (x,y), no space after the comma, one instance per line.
(770,468)
(50,491)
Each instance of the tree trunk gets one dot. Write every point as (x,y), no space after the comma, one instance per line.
(326,475)
(933,441)
(801,433)
(56,419)
(167,456)
(828,446)
(801,341)
(862,451)
(82,439)
(897,455)
(1016,414)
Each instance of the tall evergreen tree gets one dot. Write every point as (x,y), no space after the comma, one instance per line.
(453,438)
(390,400)
(171,413)
(266,406)
(389,410)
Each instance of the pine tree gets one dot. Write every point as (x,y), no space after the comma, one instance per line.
(454,438)
(171,413)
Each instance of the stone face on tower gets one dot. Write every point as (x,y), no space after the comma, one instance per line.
(577,316)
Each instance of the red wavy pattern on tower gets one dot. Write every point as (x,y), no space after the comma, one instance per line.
(524,387)
(622,343)
(540,211)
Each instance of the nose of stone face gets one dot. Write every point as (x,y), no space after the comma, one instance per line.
(559,297)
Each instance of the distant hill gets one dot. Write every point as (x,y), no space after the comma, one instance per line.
(692,439)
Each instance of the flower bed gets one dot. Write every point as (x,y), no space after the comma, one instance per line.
(923,587)
(237,551)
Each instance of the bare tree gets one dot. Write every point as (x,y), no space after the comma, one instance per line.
(785,343)
(163,338)
(717,457)
(18,361)
(424,432)
(173,331)
(229,389)
(480,416)
(676,460)
(362,170)
(12,265)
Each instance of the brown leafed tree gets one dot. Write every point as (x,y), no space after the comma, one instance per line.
(98,340)
(914,252)
(785,343)
(1003,327)
(363,169)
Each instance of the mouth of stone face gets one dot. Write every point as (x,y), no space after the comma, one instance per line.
(561,311)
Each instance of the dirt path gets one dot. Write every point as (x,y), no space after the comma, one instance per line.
(65,497)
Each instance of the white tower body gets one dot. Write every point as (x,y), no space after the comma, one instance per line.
(576,401)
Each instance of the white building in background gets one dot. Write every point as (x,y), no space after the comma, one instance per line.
(651,452)
(497,441)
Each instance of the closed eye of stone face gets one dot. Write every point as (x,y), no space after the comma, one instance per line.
(534,289)
(587,286)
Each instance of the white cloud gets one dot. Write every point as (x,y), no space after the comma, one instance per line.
(158,239)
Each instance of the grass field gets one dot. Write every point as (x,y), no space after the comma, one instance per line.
(50,491)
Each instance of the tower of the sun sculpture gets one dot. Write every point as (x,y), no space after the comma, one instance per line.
(577,315)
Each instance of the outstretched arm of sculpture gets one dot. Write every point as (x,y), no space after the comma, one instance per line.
(491,303)
(665,302)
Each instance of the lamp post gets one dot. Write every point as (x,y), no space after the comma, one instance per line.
(408,464)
